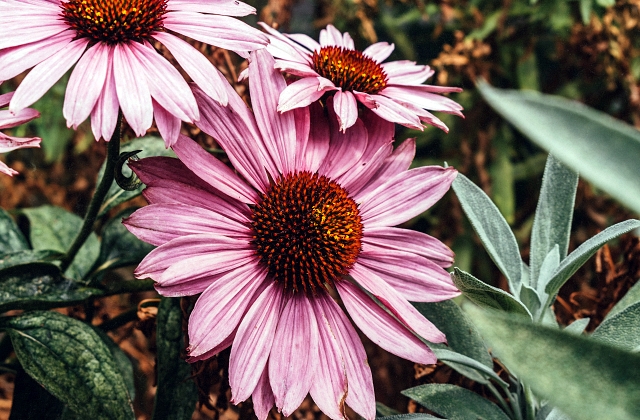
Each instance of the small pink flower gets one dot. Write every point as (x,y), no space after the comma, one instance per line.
(117,66)
(10,119)
(307,215)
(393,90)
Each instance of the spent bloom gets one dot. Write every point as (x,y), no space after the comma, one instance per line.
(10,119)
(393,90)
(307,215)
(111,44)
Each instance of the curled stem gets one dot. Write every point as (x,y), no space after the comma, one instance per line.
(113,152)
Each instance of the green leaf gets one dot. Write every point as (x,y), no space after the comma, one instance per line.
(581,254)
(603,150)
(11,239)
(631,297)
(552,222)
(31,401)
(462,336)
(120,247)
(563,367)
(547,270)
(621,329)
(176,395)
(529,298)
(39,285)
(71,362)
(487,296)
(585,10)
(577,326)
(149,146)
(467,366)
(454,402)
(54,228)
(416,416)
(28,256)
(122,361)
(493,230)
(382,410)
(606,3)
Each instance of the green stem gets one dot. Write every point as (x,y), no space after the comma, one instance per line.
(530,401)
(119,320)
(501,400)
(113,152)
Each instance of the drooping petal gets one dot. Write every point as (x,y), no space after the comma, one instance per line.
(406,195)
(10,119)
(424,100)
(346,108)
(329,387)
(262,396)
(219,7)
(303,92)
(8,143)
(132,89)
(294,354)
(393,111)
(211,170)
(197,66)
(7,170)
(221,306)
(46,74)
(278,129)
(168,124)
(406,72)
(17,59)
(160,223)
(282,47)
(399,161)
(381,327)
(419,243)
(85,84)
(254,339)
(222,31)
(379,51)
(360,395)
(302,118)
(417,278)
(104,116)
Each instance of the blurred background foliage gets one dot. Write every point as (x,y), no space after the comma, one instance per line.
(587,50)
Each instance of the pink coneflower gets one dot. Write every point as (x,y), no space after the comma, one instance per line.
(117,66)
(393,90)
(10,119)
(306,216)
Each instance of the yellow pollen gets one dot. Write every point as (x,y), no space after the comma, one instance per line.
(349,69)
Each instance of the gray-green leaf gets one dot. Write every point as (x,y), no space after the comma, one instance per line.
(563,367)
(11,239)
(493,230)
(581,254)
(486,295)
(462,336)
(552,222)
(621,329)
(454,402)
(603,150)
(176,395)
(71,362)
(54,228)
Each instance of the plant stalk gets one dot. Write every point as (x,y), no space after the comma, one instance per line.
(113,152)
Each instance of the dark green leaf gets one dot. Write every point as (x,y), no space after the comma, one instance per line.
(39,286)
(581,254)
(563,367)
(552,222)
(462,336)
(454,402)
(485,295)
(120,247)
(69,359)
(28,256)
(493,230)
(53,228)
(176,395)
(31,401)
(122,361)
(382,410)
(621,329)
(603,150)
(11,239)
(150,146)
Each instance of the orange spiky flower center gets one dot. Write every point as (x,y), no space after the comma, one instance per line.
(349,69)
(114,21)
(307,232)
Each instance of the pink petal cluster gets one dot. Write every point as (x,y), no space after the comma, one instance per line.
(10,119)
(405,99)
(287,344)
(129,75)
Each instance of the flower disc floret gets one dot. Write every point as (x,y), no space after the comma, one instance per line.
(114,21)
(349,69)
(307,231)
